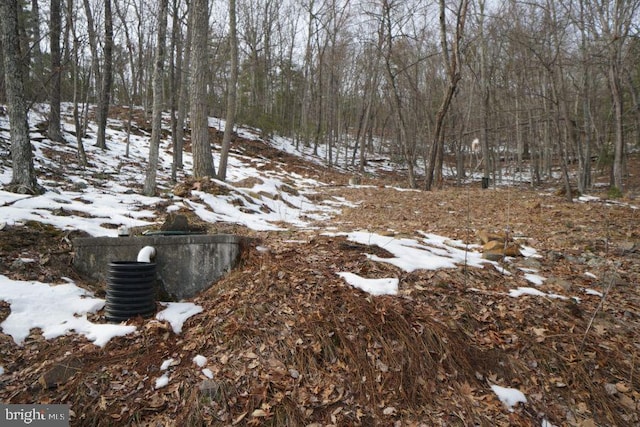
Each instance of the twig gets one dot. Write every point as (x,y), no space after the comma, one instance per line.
(593,316)
(633,365)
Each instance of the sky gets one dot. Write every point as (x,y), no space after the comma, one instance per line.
(99,199)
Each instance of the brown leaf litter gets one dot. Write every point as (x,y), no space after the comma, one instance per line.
(289,343)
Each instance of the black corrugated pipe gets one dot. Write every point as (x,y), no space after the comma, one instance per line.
(130,290)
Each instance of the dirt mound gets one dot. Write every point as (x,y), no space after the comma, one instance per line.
(287,342)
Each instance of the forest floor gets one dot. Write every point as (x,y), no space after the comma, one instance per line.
(289,343)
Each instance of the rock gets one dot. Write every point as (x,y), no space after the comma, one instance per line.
(175,222)
(210,388)
(530,263)
(499,249)
(60,373)
(611,389)
(493,256)
(628,246)
(486,237)
(561,283)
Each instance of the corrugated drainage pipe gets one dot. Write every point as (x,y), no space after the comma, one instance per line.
(130,290)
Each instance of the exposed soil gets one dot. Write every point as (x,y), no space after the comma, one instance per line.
(289,343)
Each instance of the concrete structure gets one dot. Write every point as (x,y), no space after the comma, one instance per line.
(186,264)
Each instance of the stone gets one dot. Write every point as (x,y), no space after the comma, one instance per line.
(486,237)
(561,283)
(60,373)
(508,249)
(530,263)
(175,222)
(496,250)
(628,246)
(493,256)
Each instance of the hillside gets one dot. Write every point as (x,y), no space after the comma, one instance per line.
(284,339)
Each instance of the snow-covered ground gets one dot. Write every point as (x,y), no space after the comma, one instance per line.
(98,199)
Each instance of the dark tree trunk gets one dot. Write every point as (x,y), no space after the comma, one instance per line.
(54,131)
(24,177)
(156,121)
(201,147)
(107,77)
(231,96)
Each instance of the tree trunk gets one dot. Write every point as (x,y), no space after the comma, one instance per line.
(82,155)
(54,132)
(93,44)
(107,77)
(183,102)
(35,83)
(616,96)
(231,93)
(201,147)
(174,79)
(452,63)
(24,177)
(156,121)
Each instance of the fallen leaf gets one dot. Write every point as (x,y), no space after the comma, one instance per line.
(622,388)
(628,402)
(259,413)
(239,418)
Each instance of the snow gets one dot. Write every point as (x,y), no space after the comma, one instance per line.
(177,313)
(200,360)
(509,396)
(166,364)
(534,278)
(31,307)
(162,381)
(593,292)
(372,286)
(103,200)
(534,292)
(434,252)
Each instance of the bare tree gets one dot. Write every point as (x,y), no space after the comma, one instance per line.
(175,79)
(24,177)
(201,147)
(156,121)
(612,24)
(54,132)
(183,101)
(104,98)
(231,92)
(387,33)
(452,61)
(35,77)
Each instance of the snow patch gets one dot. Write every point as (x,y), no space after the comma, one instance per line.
(509,396)
(32,307)
(177,313)
(200,360)
(372,286)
